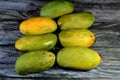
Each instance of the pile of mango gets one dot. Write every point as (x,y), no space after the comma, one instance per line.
(39,39)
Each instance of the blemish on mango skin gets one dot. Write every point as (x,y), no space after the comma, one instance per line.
(38,25)
(93,38)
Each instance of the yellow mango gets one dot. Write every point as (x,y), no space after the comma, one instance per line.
(37,25)
(79,58)
(76,37)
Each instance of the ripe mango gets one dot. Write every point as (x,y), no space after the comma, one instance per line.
(56,8)
(76,20)
(37,25)
(76,37)
(36,42)
(79,58)
(35,61)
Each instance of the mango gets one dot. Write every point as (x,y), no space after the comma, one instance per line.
(36,42)
(77,37)
(76,20)
(79,58)
(35,61)
(56,8)
(37,25)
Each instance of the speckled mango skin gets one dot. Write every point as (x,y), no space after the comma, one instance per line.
(35,61)
(36,42)
(37,25)
(77,37)
(79,58)
(56,8)
(76,20)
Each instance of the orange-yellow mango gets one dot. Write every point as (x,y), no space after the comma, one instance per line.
(38,25)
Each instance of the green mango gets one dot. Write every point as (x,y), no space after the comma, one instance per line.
(76,20)
(35,61)
(36,42)
(77,37)
(79,58)
(56,8)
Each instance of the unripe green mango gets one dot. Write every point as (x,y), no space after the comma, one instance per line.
(35,61)
(79,58)
(36,42)
(56,8)
(76,20)
(76,37)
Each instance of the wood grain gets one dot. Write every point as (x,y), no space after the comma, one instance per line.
(106,29)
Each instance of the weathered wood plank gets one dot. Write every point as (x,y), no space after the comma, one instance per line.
(8,54)
(11,15)
(9,25)
(107,34)
(9,37)
(97,1)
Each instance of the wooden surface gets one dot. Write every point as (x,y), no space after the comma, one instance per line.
(106,29)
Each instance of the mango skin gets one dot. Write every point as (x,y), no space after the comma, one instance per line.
(36,42)
(76,20)
(56,8)
(77,37)
(79,58)
(37,25)
(35,61)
